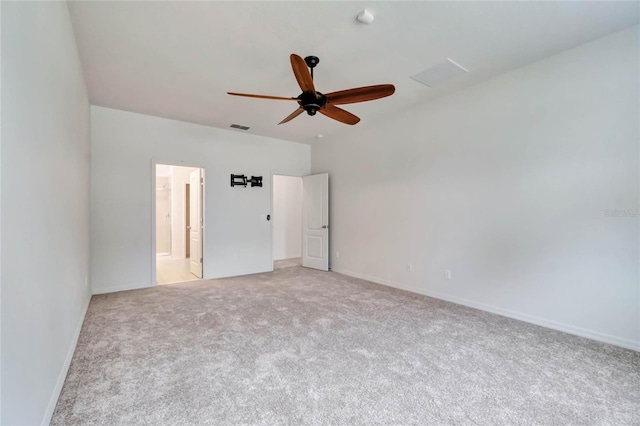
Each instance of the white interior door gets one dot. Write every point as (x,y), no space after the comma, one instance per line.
(195,222)
(315,221)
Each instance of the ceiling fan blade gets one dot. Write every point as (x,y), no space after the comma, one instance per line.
(293,115)
(302,74)
(249,95)
(360,94)
(339,114)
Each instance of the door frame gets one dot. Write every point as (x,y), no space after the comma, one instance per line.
(196,175)
(177,163)
(271,212)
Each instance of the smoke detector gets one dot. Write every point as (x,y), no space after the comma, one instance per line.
(365,17)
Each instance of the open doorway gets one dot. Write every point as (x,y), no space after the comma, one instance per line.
(300,225)
(287,221)
(179,214)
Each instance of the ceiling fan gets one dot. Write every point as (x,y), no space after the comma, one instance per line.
(313,101)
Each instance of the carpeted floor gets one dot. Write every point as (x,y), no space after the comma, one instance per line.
(301,347)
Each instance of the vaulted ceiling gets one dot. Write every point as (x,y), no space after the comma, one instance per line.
(178,59)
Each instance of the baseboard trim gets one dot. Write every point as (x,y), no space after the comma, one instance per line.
(567,328)
(65,368)
(115,289)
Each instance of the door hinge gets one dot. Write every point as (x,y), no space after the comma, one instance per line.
(200,260)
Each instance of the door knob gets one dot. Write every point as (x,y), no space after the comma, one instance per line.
(325,227)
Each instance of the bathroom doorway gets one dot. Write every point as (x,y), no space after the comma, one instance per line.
(179,217)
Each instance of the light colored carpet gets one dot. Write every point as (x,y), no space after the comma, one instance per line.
(301,347)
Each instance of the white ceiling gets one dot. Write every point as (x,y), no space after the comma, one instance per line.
(178,59)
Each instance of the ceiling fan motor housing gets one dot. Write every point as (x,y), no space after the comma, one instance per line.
(312,102)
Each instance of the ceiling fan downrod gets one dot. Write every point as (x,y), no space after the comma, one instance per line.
(311,62)
(309,101)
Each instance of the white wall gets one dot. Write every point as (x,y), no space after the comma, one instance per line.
(180,176)
(287,217)
(506,184)
(163,170)
(237,234)
(45,206)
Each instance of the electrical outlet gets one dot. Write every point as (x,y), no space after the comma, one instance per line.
(447,274)
(409,267)
(337,255)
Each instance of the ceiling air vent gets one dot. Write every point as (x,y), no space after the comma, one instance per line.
(238,126)
(439,73)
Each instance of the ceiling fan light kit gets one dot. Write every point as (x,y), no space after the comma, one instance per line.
(312,101)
